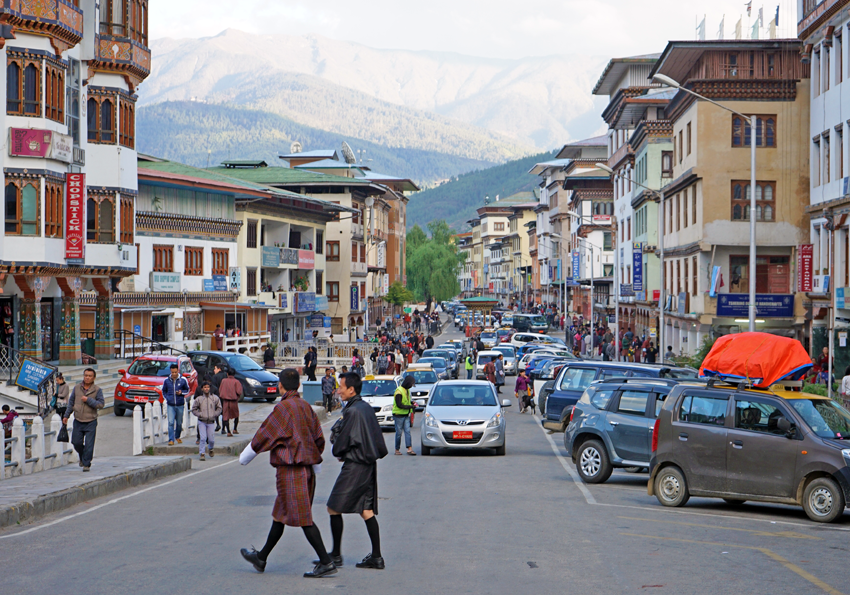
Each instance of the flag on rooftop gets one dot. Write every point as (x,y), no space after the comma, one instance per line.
(738,28)
(755,32)
(749,6)
(721,32)
(701,30)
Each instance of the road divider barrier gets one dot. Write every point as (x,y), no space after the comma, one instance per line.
(45,450)
(150,426)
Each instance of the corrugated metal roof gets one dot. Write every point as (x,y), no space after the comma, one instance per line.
(287,175)
(615,69)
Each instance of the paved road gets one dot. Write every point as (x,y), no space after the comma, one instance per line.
(460,523)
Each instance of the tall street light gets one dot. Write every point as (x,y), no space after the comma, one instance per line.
(753,122)
(660,195)
(592,298)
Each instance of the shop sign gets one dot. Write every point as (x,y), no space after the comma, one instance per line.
(321,303)
(805,255)
(271,256)
(382,256)
(326,321)
(386,283)
(35,142)
(317,321)
(75,217)
(32,374)
(656,295)
(604,219)
(235,279)
(306,259)
(219,282)
(637,267)
(576,265)
(283,300)
(305,301)
(841,295)
(289,256)
(209,285)
(736,305)
(165,282)
(626,290)
(355,297)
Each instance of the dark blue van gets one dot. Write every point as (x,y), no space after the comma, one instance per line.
(575,377)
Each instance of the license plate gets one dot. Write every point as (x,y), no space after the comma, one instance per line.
(271,389)
(140,399)
(466,435)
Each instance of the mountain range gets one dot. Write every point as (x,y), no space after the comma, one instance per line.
(477,108)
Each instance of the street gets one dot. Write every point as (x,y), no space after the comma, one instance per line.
(459,522)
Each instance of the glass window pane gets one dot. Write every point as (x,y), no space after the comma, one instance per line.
(758,417)
(758,191)
(107,221)
(577,379)
(704,410)
(91,219)
(11,208)
(768,192)
(632,401)
(601,398)
(768,213)
(29,208)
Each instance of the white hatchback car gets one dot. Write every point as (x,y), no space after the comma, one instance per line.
(378,391)
(464,414)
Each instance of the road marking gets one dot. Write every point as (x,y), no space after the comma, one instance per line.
(126,496)
(664,510)
(788,534)
(769,553)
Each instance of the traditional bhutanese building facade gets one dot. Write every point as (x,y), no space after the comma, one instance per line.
(72,73)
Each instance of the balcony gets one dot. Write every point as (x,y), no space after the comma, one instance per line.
(620,155)
(124,56)
(60,20)
(358,269)
(813,15)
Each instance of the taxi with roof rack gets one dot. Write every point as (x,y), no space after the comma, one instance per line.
(424,378)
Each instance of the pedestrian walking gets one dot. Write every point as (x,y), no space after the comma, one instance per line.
(651,353)
(218,334)
(63,391)
(402,408)
(490,371)
(206,407)
(469,365)
(500,373)
(230,391)
(85,400)
(358,441)
(175,389)
(268,356)
(293,435)
(328,389)
(311,360)
(523,391)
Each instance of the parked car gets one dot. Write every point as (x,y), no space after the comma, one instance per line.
(484,357)
(440,365)
(537,353)
(776,445)
(520,338)
(257,383)
(378,391)
(142,382)
(504,335)
(575,377)
(489,338)
(424,378)
(457,350)
(509,361)
(611,425)
(530,323)
(464,414)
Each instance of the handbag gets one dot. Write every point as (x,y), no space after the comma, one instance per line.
(335,429)
(63,434)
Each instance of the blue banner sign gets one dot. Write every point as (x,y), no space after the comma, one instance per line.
(209,285)
(305,301)
(626,290)
(321,303)
(32,374)
(637,267)
(768,305)
(355,297)
(576,265)
(271,256)
(326,321)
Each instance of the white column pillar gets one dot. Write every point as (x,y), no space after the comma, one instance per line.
(18,448)
(37,445)
(54,447)
(147,426)
(156,427)
(138,431)
(69,455)
(2,452)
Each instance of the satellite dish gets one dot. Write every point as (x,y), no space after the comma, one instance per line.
(295,148)
(347,153)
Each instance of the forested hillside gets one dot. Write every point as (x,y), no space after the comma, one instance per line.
(196,133)
(456,200)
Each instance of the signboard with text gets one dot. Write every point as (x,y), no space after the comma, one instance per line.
(75,217)
(576,266)
(805,254)
(219,282)
(288,256)
(772,305)
(321,303)
(355,297)
(305,301)
(35,142)
(165,282)
(271,256)
(32,374)
(235,283)
(637,267)
(306,259)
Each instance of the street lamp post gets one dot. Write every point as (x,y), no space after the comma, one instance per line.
(753,123)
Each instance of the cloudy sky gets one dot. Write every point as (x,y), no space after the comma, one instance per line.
(489,28)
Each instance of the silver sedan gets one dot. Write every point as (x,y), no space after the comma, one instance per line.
(464,414)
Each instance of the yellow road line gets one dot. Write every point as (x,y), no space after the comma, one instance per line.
(788,534)
(769,553)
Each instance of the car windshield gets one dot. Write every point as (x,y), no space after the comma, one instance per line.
(423,377)
(436,354)
(506,351)
(378,387)
(577,379)
(538,320)
(826,418)
(463,395)
(150,367)
(682,373)
(483,358)
(436,362)
(488,336)
(243,363)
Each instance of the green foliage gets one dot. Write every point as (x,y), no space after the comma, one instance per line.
(695,360)
(398,294)
(195,133)
(433,264)
(457,200)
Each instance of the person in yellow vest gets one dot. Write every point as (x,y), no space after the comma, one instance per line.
(469,366)
(402,408)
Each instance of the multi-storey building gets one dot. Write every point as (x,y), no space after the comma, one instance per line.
(588,201)
(72,71)
(464,246)
(520,259)
(824,28)
(552,224)
(707,211)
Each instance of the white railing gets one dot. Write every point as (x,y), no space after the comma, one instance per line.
(128,350)
(249,343)
(46,452)
(151,426)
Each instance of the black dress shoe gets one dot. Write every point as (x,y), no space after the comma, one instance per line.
(370,562)
(253,556)
(337,560)
(320,570)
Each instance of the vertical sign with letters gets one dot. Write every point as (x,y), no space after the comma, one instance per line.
(75,216)
(637,267)
(805,254)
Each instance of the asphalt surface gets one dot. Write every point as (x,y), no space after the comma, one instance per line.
(451,522)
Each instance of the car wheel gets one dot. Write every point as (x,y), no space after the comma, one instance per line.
(118,410)
(823,500)
(733,501)
(671,488)
(592,462)
(500,450)
(426,450)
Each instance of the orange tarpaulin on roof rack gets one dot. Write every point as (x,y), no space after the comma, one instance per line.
(760,359)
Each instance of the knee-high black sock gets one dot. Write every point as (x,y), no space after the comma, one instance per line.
(336,533)
(375,536)
(275,533)
(235,423)
(226,426)
(314,537)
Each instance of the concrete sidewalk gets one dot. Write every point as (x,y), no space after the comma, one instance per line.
(28,497)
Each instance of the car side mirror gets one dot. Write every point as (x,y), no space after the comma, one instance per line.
(506,403)
(122,372)
(786,426)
